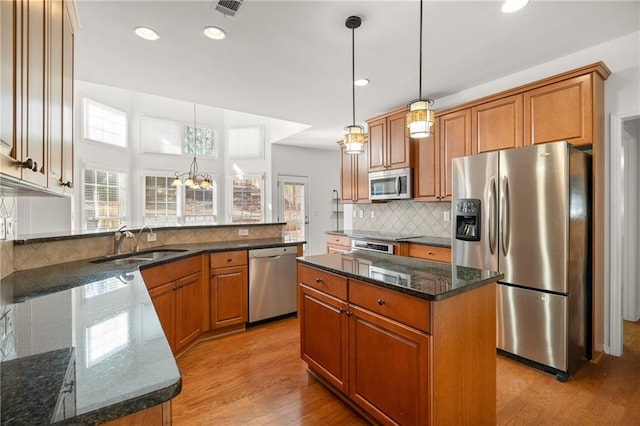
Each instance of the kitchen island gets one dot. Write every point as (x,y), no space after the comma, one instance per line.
(403,340)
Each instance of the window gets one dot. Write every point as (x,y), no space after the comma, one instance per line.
(158,135)
(160,201)
(245,142)
(104,199)
(247,201)
(104,124)
(204,141)
(170,205)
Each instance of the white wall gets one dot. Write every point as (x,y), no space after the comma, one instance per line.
(630,273)
(322,167)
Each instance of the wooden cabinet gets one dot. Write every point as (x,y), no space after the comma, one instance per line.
(428,164)
(455,141)
(228,288)
(338,243)
(389,143)
(37,75)
(497,124)
(178,294)
(437,254)
(354,177)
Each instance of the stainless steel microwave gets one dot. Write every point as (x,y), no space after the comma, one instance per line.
(390,184)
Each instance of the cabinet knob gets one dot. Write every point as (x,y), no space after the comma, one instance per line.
(318,280)
(349,313)
(430,253)
(68,183)
(380,302)
(229,260)
(28,164)
(342,310)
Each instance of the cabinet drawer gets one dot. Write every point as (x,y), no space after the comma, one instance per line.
(438,254)
(157,275)
(228,258)
(326,282)
(408,310)
(339,240)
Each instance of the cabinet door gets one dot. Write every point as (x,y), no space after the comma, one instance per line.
(388,369)
(164,299)
(228,296)
(427,173)
(54,59)
(67,102)
(398,142)
(189,306)
(323,335)
(10,87)
(347,174)
(377,144)
(560,111)
(361,176)
(455,141)
(33,142)
(497,125)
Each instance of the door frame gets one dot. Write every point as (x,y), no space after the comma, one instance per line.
(615,249)
(280,177)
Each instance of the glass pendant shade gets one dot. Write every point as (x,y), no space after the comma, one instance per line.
(420,118)
(353,139)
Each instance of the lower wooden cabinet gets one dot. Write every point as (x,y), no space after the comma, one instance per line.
(338,243)
(437,254)
(176,290)
(228,289)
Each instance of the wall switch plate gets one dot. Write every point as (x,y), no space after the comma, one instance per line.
(445,216)
(151,236)
(243,231)
(10,228)
(361,214)
(3,228)
(373,215)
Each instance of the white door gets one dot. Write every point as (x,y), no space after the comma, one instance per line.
(293,206)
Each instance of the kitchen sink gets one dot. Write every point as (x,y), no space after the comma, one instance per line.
(138,257)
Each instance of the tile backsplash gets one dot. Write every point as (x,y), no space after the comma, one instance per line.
(404,216)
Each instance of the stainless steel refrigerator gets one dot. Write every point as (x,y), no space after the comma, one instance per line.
(526,213)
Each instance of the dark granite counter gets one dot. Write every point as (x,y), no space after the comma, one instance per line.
(103,314)
(416,277)
(394,237)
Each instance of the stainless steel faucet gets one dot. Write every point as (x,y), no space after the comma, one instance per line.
(120,235)
(140,232)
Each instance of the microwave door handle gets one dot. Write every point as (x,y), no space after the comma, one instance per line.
(397,185)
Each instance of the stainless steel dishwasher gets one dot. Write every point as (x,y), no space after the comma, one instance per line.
(272,283)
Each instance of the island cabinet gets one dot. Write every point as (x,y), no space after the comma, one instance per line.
(338,243)
(228,287)
(399,358)
(354,177)
(177,292)
(434,253)
(497,124)
(389,142)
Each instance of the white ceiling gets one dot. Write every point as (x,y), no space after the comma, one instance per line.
(291,60)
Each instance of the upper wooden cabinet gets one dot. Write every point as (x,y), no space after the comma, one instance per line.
(354,177)
(426,179)
(497,124)
(455,141)
(37,78)
(389,143)
(560,111)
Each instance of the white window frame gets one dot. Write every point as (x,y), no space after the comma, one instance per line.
(178,135)
(239,155)
(143,189)
(87,102)
(124,192)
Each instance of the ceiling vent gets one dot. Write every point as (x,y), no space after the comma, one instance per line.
(229,7)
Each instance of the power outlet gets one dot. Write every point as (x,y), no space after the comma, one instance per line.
(373,215)
(361,214)
(243,232)
(151,236)
(10,228)
(3,229)
(446,216)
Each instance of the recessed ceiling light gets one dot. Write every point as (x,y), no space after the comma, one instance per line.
(361,82)
(510,6)
(146,33)
(214,33)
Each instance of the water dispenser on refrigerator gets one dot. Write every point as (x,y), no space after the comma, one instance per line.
(468,219)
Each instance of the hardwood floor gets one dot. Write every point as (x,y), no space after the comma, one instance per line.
(257,378)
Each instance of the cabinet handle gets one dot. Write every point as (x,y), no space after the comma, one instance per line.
(229,260)
(430,253)
(175,288)
(68,183)
(342,310)
(318,280)
(380,302)
(349,313)
(29,164)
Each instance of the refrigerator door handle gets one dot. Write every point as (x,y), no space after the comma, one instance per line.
(493,217)
(505,232)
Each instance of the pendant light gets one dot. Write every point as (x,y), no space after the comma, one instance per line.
(354,134)
(194,179)
(420,115)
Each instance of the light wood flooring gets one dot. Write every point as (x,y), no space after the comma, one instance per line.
(258,378)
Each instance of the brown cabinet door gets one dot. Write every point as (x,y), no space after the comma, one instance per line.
(67,102)
(398,142)
(377,144)
(455,141)
(361,176)
(427,172)
(164,300)
(55,20)
(560,111)
(323,335)
(11,87)
(33,142)
(497,124)
(347,174)
(189,306)
(228,296)
(383,355)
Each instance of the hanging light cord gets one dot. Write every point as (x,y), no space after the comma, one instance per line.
(353,74)
(420,68)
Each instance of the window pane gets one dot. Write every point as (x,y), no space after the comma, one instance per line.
(247,201)
(104,124)
(104,199)
(200,205)
(205,141)
(160,135)
(160,201)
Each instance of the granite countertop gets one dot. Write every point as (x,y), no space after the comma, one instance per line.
(394,237)
(104,314)
(416,277)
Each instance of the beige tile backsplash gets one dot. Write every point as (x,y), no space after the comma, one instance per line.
(404,216)
(28,256)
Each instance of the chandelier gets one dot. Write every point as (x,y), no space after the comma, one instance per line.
(192,178)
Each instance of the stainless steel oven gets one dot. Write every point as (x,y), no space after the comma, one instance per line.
(380,247)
